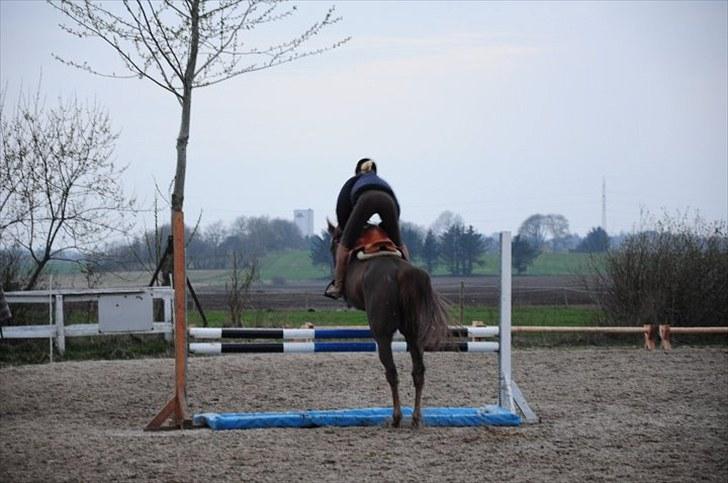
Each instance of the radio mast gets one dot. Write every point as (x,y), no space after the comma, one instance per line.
(604,204)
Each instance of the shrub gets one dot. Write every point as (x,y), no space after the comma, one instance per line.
(675,273)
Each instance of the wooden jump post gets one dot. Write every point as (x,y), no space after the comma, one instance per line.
(176,408)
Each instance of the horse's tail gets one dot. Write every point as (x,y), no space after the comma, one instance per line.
(422,308)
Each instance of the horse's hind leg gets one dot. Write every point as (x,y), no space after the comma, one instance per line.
(418,376)
(385,355)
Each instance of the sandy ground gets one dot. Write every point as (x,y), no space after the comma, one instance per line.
(608,414)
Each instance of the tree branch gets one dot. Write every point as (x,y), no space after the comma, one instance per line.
(93,31)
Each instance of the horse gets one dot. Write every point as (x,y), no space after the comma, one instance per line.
(395,295)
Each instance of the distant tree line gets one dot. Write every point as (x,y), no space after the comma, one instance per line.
(457,248)
(448,244)
(550,233)
(211,247)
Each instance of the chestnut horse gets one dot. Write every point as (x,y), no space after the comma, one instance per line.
(396,295)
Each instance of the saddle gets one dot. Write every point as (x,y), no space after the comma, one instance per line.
(374,242)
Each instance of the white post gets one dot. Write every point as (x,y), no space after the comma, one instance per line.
(168,336)
(60,331)
(50,317)
(505,393)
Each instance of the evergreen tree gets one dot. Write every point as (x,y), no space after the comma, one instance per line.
(473,246)
(523,253)
(412,237)
(321,249)
(451,249)
(596,240)
(430,251)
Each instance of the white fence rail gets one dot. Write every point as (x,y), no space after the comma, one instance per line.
(120,311)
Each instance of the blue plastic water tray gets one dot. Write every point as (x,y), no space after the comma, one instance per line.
(490,415)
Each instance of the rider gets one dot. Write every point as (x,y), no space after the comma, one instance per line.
(362,196)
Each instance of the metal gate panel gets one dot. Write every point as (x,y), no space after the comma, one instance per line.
(131,312)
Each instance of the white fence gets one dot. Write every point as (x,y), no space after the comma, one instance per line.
(120,311)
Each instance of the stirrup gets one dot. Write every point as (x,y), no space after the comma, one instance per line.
(327,294)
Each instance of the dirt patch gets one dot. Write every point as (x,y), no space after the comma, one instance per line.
(608,414)
(477,291)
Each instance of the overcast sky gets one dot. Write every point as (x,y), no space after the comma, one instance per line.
(494,111)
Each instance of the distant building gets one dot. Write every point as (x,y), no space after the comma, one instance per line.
(304,221)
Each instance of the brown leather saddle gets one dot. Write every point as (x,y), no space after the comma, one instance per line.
(373,242)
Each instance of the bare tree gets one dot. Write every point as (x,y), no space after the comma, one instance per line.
(540,228)
(60,190)
(533,228)
(445,221)
(11,212)
(238,290)
(180,46)
(556,225)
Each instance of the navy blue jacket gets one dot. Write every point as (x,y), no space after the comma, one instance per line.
(352,190)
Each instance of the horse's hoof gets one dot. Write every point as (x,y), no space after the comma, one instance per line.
(416,424)
(391,424)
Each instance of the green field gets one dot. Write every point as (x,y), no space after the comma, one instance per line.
(296,265)
(293,265)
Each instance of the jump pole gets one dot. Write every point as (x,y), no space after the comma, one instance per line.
(508,395)
(176,408)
